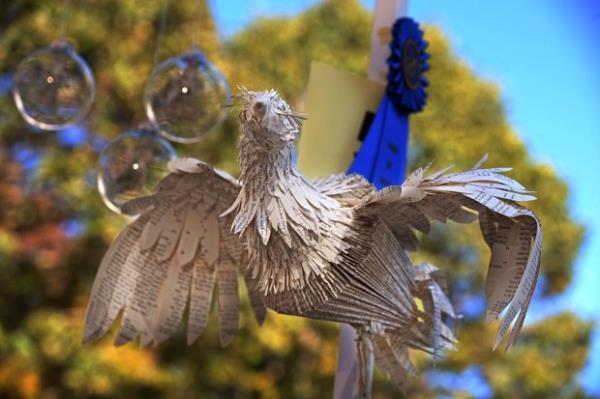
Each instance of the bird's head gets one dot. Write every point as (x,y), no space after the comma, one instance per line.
(267,117)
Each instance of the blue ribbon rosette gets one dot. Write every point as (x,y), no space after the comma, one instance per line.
(406,66)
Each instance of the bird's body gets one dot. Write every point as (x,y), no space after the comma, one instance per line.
(307,239)
(332,248)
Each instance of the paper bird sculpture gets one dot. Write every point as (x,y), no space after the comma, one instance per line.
(333,249)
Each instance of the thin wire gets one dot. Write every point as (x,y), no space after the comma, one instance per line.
(64,19)
(202,19)
(161,30)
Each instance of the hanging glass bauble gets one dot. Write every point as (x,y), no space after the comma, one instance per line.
(53,87)
(185,97)
(131,165)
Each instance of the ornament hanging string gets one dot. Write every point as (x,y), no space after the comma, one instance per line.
(64,19)
(202,13)
(161,31)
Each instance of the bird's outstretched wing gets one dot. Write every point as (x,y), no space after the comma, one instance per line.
(173,254)
(512,232)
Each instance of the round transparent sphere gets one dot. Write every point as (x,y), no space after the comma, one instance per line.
(53,87)
(131,166)
(185,97)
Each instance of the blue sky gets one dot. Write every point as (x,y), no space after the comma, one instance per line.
(545,56)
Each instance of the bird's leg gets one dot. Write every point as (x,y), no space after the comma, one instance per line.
(366,359)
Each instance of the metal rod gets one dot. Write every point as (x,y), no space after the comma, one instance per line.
(347,375)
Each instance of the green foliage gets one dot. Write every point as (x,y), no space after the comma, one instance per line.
(46,272)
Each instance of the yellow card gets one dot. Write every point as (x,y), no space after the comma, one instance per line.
(338,103)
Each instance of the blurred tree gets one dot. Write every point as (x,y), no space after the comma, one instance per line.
(54,228)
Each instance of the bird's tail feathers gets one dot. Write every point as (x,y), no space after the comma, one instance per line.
(435,315)
(430,330)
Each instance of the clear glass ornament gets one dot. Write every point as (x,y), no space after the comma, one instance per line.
(131,165)
(53,87)
(185,97)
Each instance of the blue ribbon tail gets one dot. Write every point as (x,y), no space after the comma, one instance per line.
(382,157)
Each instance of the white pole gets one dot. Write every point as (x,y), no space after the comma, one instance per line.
(386,12)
